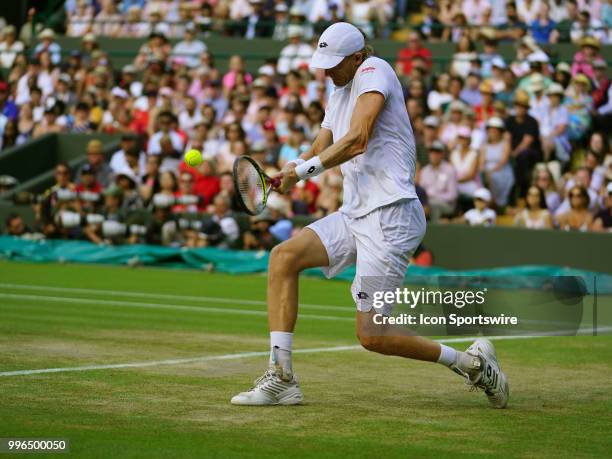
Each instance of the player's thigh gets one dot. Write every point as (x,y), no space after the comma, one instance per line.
(385,239)
(339,243)
(302,251)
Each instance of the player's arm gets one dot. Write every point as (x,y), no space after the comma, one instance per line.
(323,140)
(355,142)
(366,111)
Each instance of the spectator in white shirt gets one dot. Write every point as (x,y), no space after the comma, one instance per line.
(189,116)
(588,27)
(47,43)
(464,159)
(295,53)
(134,26)
(9,48)
(474,10)
(539,103)
(129,157)
(108,21)
(80,20)
(558,10)
(164,122)
(190,48)
(528,10)
(553,128)
(481,214)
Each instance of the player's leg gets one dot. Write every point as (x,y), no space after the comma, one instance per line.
(392,340)
(384,241)
(326,243)
(287,260)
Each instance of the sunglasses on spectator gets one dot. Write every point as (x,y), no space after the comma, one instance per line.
(61,172)
(576,195)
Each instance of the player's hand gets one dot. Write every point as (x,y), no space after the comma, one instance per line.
(288,178)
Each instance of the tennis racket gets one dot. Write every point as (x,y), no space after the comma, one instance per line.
(252,185)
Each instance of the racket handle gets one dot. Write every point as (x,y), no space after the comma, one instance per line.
(275,182)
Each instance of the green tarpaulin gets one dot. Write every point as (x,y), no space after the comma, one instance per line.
(240,262)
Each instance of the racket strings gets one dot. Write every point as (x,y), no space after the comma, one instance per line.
(250,187)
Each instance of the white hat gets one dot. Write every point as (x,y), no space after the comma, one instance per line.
(609,188)
(555,88)
(464,131)
(119,92)
(537,83)
(498,62)
(266,70)
(126,172)
(431,121)
(47,33)
(294,30)
(166,91)
(495,122)
(482,193)
(337,41)
(538,57)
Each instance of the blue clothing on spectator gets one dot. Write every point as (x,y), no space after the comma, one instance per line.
(486,63)
(127,4)
(10,110)
(541,33)
(289,153)
(54,50)
(472,97)
(281,230)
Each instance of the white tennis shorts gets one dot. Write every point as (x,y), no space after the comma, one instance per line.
(379,243)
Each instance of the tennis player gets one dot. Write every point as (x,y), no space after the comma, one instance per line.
(365,131)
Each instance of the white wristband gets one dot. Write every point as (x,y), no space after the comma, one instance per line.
(310,168)
(296,161)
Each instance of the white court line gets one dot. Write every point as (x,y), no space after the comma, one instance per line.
(205,299)
(221,357)
(241,355)
(202,309)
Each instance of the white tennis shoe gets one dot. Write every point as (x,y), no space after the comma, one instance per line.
(275,387)
(482,371)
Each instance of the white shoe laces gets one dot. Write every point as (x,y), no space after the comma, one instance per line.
(268,375)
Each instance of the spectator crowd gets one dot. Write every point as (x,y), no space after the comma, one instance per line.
(521,141)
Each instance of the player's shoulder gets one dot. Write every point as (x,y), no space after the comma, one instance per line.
(374,64)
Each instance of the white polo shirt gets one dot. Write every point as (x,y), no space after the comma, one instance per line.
(384,173)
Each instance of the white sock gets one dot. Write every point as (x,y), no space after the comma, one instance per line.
(283,341)
(448,355)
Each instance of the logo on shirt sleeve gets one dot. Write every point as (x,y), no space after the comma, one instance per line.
(368,69)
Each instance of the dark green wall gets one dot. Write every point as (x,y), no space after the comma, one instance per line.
(122,50)
(32,163)
(463,247)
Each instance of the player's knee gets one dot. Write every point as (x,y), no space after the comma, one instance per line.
(283,259)
(372,343)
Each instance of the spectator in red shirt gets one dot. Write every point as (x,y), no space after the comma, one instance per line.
(403,66)
(485,110)
(206,182)
(89,189)
(601,83)
(186,198)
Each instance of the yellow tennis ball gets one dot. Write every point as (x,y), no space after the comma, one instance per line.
(193,158)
